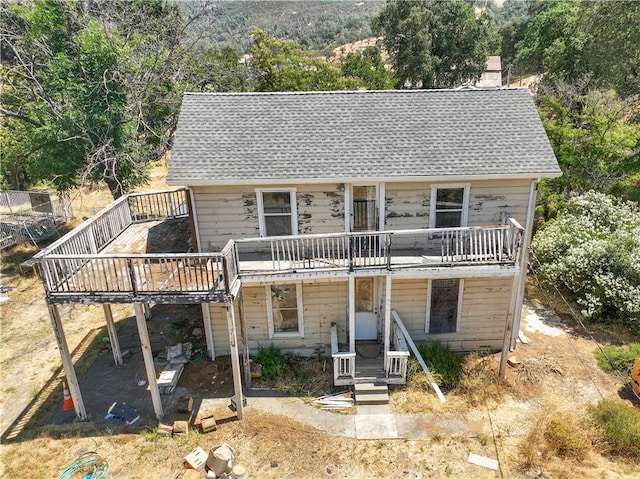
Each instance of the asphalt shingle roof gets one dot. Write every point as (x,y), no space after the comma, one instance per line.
(236,138)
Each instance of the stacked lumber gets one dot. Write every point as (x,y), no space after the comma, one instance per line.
(341,400)
(169,378)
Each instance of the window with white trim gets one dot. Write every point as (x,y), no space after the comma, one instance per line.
(277,214)
(449,206)
(444,302)
(284,310)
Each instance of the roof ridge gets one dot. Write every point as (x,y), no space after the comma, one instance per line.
(351,92)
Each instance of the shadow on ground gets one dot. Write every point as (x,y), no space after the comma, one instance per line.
(102,382)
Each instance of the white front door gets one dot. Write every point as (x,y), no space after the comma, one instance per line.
(365,309)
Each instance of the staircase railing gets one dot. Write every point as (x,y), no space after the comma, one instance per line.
(398,358)
(344,363)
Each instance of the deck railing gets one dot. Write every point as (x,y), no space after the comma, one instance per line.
(76,264)
(159,205)
(383,249)
(398,358)
(344,363)
(133,275)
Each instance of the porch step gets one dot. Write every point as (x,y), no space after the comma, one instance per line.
(371,394)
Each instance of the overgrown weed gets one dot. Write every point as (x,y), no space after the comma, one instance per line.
(479,381)
(618,425)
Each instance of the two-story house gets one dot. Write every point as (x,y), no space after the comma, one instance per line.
(323,221)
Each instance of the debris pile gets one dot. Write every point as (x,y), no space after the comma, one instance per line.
(342,400)
(176,357)
(219,463)
(120,410)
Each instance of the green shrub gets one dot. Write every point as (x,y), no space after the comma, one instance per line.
(592,249)
(612,358)
(444,363)
(274,363)
(619,425)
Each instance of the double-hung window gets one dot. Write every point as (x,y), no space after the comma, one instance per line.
(444,301)
(277,212)
(449,206)
(284,310)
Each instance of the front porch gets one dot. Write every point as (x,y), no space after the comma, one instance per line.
(387,365)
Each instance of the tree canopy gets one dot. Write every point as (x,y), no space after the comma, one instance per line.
(592,135)
(592,249)
(434,44)
(568,39)
(282,65)
(92,89)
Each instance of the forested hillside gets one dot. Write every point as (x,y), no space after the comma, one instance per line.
(318,25)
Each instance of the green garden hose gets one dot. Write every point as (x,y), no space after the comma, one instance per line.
(89,465)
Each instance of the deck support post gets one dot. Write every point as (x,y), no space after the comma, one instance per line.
(245,341)
(524,259)
(147,311)
(113,334)
(351,292)
(235,360)
(510,323)
(387,320)
(208,331)
(67,363)
(148,359)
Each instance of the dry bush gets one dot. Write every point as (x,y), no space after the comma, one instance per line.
(480,383)
(534,370)
(417,396)
(530,454)
(555,437)
(568,436)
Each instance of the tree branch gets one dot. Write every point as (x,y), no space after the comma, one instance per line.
(20,117)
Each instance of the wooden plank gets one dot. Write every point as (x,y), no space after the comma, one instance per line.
(483,461)
(417,354)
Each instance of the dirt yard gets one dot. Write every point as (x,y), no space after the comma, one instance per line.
(557,377)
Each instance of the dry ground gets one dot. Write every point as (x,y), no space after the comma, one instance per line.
(558,378)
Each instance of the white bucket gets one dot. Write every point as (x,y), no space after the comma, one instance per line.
(220,459)
(238,472)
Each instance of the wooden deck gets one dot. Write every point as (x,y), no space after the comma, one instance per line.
(146,259)
(138,249)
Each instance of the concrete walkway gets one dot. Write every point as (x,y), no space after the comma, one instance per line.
(363,426)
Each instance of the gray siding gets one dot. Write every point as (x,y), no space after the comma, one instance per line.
(485,304)
(231,212)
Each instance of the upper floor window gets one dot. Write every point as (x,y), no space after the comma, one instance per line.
(449,206)
(277,212)
(284,310)
(443,305)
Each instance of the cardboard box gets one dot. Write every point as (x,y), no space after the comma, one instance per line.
(196,459)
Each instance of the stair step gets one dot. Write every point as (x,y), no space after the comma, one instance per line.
(371,393)
(372,398)
(373,387)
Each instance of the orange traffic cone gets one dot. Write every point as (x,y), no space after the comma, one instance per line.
(67,405)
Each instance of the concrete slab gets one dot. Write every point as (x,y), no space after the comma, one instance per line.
(373,409)
(376,426)
(295,408)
